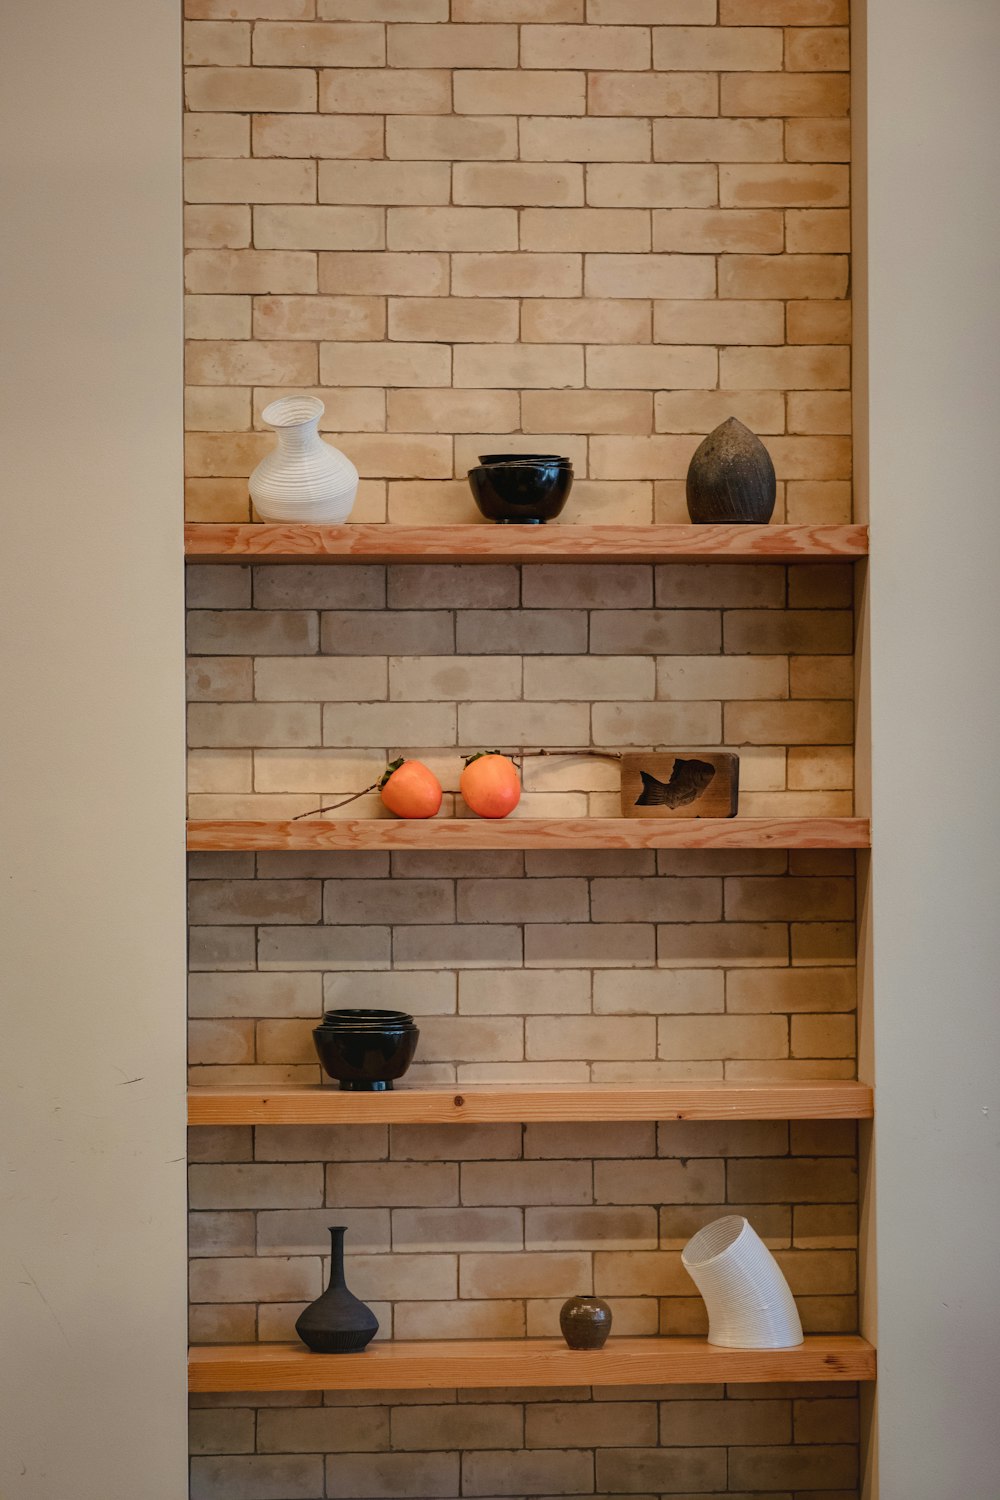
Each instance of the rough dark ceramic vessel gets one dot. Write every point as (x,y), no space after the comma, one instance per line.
(731,477)
(338,1322)
(585,1322)
(521,493)
(365,1059)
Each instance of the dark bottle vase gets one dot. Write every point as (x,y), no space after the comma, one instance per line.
(585,1322)
(731,477)
(338,1322)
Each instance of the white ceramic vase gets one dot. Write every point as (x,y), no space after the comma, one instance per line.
(304,478)
(749,1302)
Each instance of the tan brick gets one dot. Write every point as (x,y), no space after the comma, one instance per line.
(220,771)
(821,677)
(252,1185)
(446,138)
(784,187)
(779,899)
(616,366)
(221,1432)
(221,362)
(801,990)
(753,944)
(519,366)
(706,677)
(547,138)
(820,768)
(783,276)
(317,44)
(585,320)
(454,320)
(388,724)
(817,49)
(585,229)
(385,364)
(216,500)
(384,182)
(228,1041)
(825,1421)
(590,1424)
(586,411)
(524,275)
(818,230)
(727,322)
(657,185)
(312,135)
(360,318)
(222,454)
(452,46)
(366,1476)
(249,10)
(207,408)
(811,457)
(318,587)
(390,1184)
(215,226)
(236,724)
(482,92)
(723,1037)
(386,273)
(230,271)
(452,229)
(318,228)
(453,587)
(803,368)
(819,943)
(588,945)
(495,993)
(652,94)
(641,457)
(737,230)
(671,276)
(662,1181)
(362,1429)
(255,1477)
(383,10)
(801,1468)
(517,10)
(216,42)
(216,135)
(656,724)
(823,1036)
(243,90)
(625,1471)
(823,95)
(517,183)
(783,12)
(520,1183)
(718,140)
(660,992)
(466,946)
(652,12)
(598,47)
(818,140)
(819,411)
(714,48)
(319,679)
(819,322)
(822,501)
(531,1274)
(452,411)
(393,91)
(608,1038)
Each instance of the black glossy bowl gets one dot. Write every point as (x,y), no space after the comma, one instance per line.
(365,1061)
(521,493)
(489,459)
(370,1019)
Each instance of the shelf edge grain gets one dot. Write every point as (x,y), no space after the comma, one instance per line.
(381,542)
(474,1363)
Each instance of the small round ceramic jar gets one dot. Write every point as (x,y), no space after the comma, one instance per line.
(585,1322)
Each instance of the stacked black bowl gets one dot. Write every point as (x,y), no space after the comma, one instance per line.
(366,1050)
(524,488)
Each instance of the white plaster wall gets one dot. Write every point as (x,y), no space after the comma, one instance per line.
(934,379)
(92,1252)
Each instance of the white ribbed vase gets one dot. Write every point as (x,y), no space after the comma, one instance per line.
(305,478)
(749,1302)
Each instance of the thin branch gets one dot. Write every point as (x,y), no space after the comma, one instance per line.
(332,806)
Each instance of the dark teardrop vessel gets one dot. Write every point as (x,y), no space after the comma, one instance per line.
(338,1322)
(731,477)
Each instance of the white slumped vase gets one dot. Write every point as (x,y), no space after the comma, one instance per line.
(749,1302)
(305,478)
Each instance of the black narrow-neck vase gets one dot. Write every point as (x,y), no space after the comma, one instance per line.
(338,1322)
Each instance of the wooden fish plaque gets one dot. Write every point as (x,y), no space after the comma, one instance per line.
(688,784)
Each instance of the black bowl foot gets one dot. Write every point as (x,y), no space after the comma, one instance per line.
(377,1087)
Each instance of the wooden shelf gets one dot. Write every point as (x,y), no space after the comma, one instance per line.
(384,543)
(473,1363)
(320,834)
(478,1104)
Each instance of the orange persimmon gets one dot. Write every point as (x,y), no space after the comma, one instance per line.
(490,784)
(410,790)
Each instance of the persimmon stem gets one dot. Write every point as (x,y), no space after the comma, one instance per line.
(518,755)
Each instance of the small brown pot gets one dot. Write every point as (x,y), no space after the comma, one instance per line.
(585,1322)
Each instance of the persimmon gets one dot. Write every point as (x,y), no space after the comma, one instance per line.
(410,790)
(490,784)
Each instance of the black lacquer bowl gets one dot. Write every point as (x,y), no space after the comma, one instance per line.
(521,493)
(366,1058)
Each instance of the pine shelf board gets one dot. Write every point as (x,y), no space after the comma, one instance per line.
(319,834)
(474,1363)
(381,542)
(478,1104)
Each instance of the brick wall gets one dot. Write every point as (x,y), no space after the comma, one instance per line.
(602,230)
